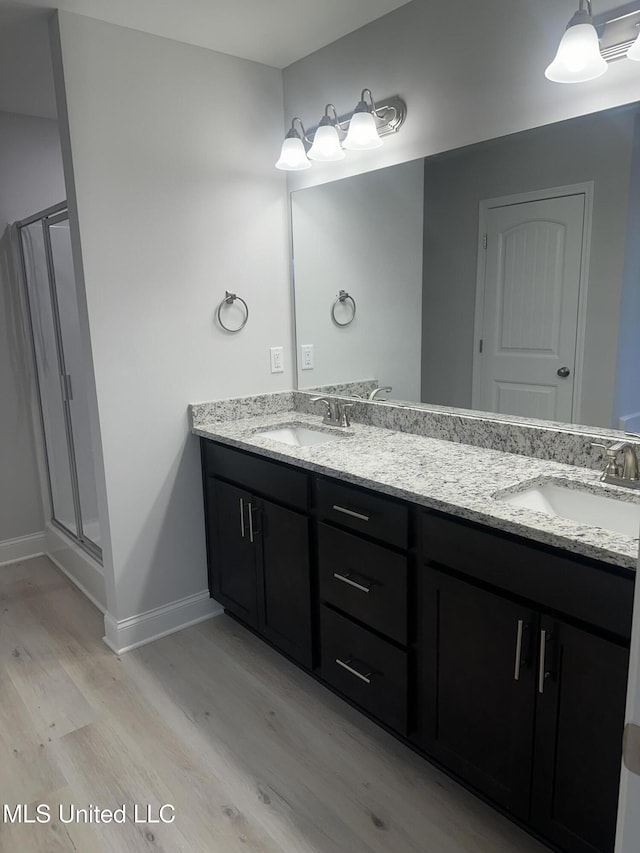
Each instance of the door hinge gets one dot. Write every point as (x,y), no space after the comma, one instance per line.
(484,241)
(481,346)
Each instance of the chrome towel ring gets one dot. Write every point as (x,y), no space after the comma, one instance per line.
(343,297)
(229,299)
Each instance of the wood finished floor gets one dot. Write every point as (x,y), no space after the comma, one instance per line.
(253,754)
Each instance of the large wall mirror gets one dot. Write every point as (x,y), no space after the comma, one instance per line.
(502,277)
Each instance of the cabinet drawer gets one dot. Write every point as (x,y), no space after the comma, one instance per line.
(366,669)
(376,516)
(366,581)
(576,586)
(260,476)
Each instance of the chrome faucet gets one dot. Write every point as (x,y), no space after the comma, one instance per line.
(376,391)
(336,412)
(627,474)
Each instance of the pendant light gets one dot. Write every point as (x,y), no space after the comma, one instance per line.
(363,129)
(578,58)
(293,155)
(326,142)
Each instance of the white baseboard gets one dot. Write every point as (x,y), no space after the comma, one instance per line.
(22,548)
(81,569)
(127,634)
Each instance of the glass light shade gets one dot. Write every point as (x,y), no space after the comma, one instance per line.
(363,133)
(634,51)
(578,58)
(326,145)
(293,157)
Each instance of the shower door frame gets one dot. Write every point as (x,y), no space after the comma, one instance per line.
(51,216)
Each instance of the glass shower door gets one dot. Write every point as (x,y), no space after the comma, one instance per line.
(62,383)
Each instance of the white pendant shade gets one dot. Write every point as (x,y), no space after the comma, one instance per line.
(578,58)
(363,133)
(634,51)
(293,157)
(326,145)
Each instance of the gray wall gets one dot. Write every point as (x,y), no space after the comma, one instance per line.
(31,179)
(173,208)
(595,148)
(627,396)
(468,71)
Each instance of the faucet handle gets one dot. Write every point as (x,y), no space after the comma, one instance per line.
(344,414)
(612,469)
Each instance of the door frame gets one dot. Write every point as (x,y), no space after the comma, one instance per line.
(585,189)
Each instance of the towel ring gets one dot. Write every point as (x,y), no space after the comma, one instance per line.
(229,299)
(343,296)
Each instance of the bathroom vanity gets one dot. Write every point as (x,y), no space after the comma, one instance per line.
(492,639)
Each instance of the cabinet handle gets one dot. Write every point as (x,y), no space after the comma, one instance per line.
(350,512)
(543,673)
(363,587)
(242,518)
(521,629)
(250,523)
(366,677)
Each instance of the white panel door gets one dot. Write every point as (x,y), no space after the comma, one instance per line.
(531,296)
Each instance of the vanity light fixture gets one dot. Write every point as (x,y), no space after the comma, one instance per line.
(360,130)
(326,141)
(578,58)
(591,42)
(293,154)
(363,130)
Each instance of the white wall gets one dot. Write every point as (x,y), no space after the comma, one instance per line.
(467,72)
(31,179)
(362,235)
(177,200)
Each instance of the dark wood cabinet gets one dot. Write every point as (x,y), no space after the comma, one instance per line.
(578,737)
(525,705)
(258,550)
(284,581)
(478,687)
(232,558)
(503,659)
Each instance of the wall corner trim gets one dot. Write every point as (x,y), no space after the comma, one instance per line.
(22,548)
(126,634)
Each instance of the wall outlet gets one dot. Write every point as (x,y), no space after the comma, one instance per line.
(306,350)
(277,359)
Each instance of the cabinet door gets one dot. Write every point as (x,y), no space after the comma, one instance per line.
(284,590)
(232,556)
(477,690)
(579,725)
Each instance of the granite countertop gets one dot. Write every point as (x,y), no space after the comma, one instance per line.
(455,478)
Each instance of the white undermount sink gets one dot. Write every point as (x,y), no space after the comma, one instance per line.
(596,510)
(300,436)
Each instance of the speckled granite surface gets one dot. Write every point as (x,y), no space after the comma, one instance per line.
(538,439)
(346,389)
(456,478)
(218,411)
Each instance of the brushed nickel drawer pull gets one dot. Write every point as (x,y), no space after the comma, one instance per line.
(543,673)
(349,580)
(516,674)
(350,512)
(251,531)
(242,518)
(366,677)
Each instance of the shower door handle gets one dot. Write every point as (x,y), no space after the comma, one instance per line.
(67,388)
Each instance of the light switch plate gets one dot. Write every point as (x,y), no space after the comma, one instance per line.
(277,359)
(306,360)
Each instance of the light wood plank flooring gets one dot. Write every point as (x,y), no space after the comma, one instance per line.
(251,752)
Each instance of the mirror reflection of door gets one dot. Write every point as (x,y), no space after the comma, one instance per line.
(527,328)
